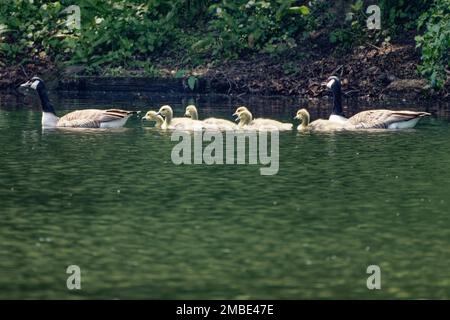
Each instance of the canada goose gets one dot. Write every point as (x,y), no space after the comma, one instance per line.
(89,118)
(337,115)
(221,124)
(372,119)
(177,123)
(260,122)
(320,124)
(153,116)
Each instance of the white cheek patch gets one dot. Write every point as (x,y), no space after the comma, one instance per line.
(35,84)
(330,83)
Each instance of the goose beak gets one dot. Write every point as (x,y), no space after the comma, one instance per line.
(324,84)
(25,85)
(296,117)
(186,114)
(159,114)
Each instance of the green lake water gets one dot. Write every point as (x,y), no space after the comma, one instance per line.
(138,226)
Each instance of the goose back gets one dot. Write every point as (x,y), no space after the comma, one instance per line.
(222,124)
(386,119)
(94,118)
(270,122)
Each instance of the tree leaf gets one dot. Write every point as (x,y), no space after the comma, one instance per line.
(180,73)
(192,81)
(303,10)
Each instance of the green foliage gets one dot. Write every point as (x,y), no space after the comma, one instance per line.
(117,36)
(402,14)
(353,30)
(32,30)
(122,32)
(114,33)
(435,42)
(244,26)
(192,82)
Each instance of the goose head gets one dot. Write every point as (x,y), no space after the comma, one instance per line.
(244,117)
(37,84)
(240,110)
(153,116)
(191,112)
(332,83)
(34,83)
(165,111)
(303,116)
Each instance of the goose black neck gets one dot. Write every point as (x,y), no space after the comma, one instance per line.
(337,100)
(45,101)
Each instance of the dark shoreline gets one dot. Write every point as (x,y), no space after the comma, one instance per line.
(368,73)
(124,84)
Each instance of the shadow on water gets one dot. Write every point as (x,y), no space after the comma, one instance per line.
(216,104)
(113,203)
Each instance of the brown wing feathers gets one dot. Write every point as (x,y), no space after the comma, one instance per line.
(120,113)
(92,118)
(383,118)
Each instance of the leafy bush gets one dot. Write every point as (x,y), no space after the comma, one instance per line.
(119,35)
(353,30)
(244,26)
(435,42)
(31,30)
(402,14)
(114,32)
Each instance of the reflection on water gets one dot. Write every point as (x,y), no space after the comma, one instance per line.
(112,202)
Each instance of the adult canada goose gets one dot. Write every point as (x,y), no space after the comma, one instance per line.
(177,123)
(337,115)
(222,124)
(320,124)
(372,119)
(89,118)
(260,122)
(153,116)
